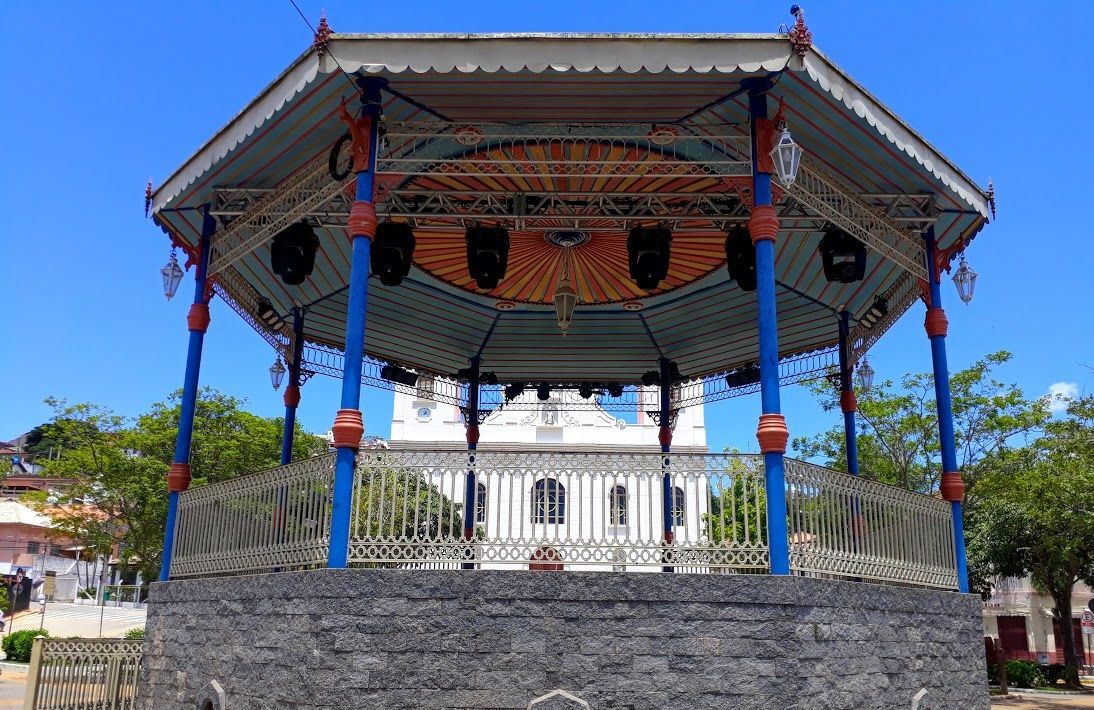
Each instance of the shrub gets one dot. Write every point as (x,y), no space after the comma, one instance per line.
(1024,674)
(19,644)
(137,633)
(1052,673)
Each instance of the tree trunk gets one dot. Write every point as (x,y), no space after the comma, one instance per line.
(1062,612)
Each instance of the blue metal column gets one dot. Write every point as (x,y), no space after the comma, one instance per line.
(348,423)
(292,391)
(952,487)
(665,438)
(197,321)
(847,400)
(472,429)
(771,433)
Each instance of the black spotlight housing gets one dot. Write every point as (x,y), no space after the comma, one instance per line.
(585,389)
(487,255)
(843,256)
(543,391)
(614,389)
(650,378)
(741,258)
(396,374)
(877,310)
(648,255)
(744,375)
(392,252)
(292,253)
(266,313)
(514,390)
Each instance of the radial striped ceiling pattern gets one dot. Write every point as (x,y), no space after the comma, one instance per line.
(436,320)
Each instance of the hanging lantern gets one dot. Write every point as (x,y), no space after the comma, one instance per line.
(565,296)
(964,280)
(787,156)
(277,373)
(865,376)
(172,276)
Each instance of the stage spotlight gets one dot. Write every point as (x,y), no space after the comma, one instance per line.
(392,252)
(653,377)
(487,255)
(543,391)
(843,256)
(514,390)
(877,310)
(270,317)
(292,253)
(648,255)
(741,258)
(585,389)
(743,376)
(614,389)
(396,374)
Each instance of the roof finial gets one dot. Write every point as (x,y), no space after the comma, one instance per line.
(322,34)
(800,36)
(148,197)
(991,197)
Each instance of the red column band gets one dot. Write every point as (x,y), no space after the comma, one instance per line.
(936,322)
(472,434)
(362,220)
(952,488)
(198,318)
(665,435)
(764,223)
(178,478)
(847,401)
(348,428)
(292,396)
(772,434)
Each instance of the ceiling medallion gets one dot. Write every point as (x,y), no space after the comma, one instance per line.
(505,305)
(633,306)
(566,238)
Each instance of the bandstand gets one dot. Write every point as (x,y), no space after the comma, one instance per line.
(612,221)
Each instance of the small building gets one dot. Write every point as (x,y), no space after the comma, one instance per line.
(24,530)
(1021,619)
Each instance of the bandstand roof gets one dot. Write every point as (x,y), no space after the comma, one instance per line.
(586,133)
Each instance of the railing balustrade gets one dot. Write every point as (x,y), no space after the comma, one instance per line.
(79,674)
(852,527)
(547,510)
(566,511)
(275,519)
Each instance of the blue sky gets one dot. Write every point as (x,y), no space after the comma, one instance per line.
(102,96)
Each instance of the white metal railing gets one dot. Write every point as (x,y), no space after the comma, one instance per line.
(558,511)
(845,526)
(278,518)
(80,674)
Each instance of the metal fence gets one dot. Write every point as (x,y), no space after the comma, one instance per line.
(558,511)
(275,519)
(83,674)
(845,526)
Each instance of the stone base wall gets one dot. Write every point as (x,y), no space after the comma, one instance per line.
(382,639)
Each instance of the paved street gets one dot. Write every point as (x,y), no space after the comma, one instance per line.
(80,620)
(12,684)
(1044,702)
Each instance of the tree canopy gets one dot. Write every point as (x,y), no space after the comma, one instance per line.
(119,466)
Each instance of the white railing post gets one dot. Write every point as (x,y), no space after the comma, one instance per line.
(30,699)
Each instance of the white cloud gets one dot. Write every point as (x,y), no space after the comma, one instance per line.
(1059,394)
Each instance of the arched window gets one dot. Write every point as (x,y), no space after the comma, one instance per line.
(677,507)
(617,506)
(480,502)
(548,501)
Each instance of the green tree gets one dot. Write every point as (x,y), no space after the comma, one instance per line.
(119,468)
(738,506)
(898,425)
(1036,516)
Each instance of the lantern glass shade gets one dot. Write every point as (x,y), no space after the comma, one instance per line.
(865,376)
(565,303)
(277,373)
(965,281)
(172,276)
(787,157)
